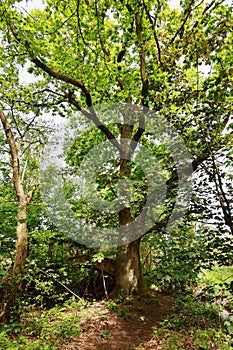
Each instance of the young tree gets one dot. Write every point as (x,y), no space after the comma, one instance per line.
(138,52)
(22,138)
(23,200)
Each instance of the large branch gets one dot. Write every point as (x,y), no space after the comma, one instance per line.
(77,83)
(153,25)
(101,17)
(108,265)
(59,76)
(120,59)
(93,117)
(180,31)
(142,56)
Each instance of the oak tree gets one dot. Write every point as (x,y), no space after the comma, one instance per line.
(137,52)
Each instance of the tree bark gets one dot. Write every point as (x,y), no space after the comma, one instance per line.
(12,283)
(21,244)
(128,272)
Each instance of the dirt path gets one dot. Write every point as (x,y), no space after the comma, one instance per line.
(109,331)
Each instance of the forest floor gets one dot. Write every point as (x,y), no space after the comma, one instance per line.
(156,322)
(120,327)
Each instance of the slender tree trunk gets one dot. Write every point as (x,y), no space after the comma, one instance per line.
(21,244)
(12,283)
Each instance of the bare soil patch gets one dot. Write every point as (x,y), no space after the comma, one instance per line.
(103,329)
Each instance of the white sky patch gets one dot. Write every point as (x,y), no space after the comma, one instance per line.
(204,69)
(28,5)
(174,4)
(26,78)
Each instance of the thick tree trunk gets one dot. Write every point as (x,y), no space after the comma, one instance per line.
(128,274)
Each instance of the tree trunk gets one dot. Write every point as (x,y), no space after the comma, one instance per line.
(128,275)
(128,272)
(21,244)
(13,283)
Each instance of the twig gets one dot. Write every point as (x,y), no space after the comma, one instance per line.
(104,284)
(62,284)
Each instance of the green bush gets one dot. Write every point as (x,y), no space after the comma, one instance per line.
(175,259)
(188,312)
